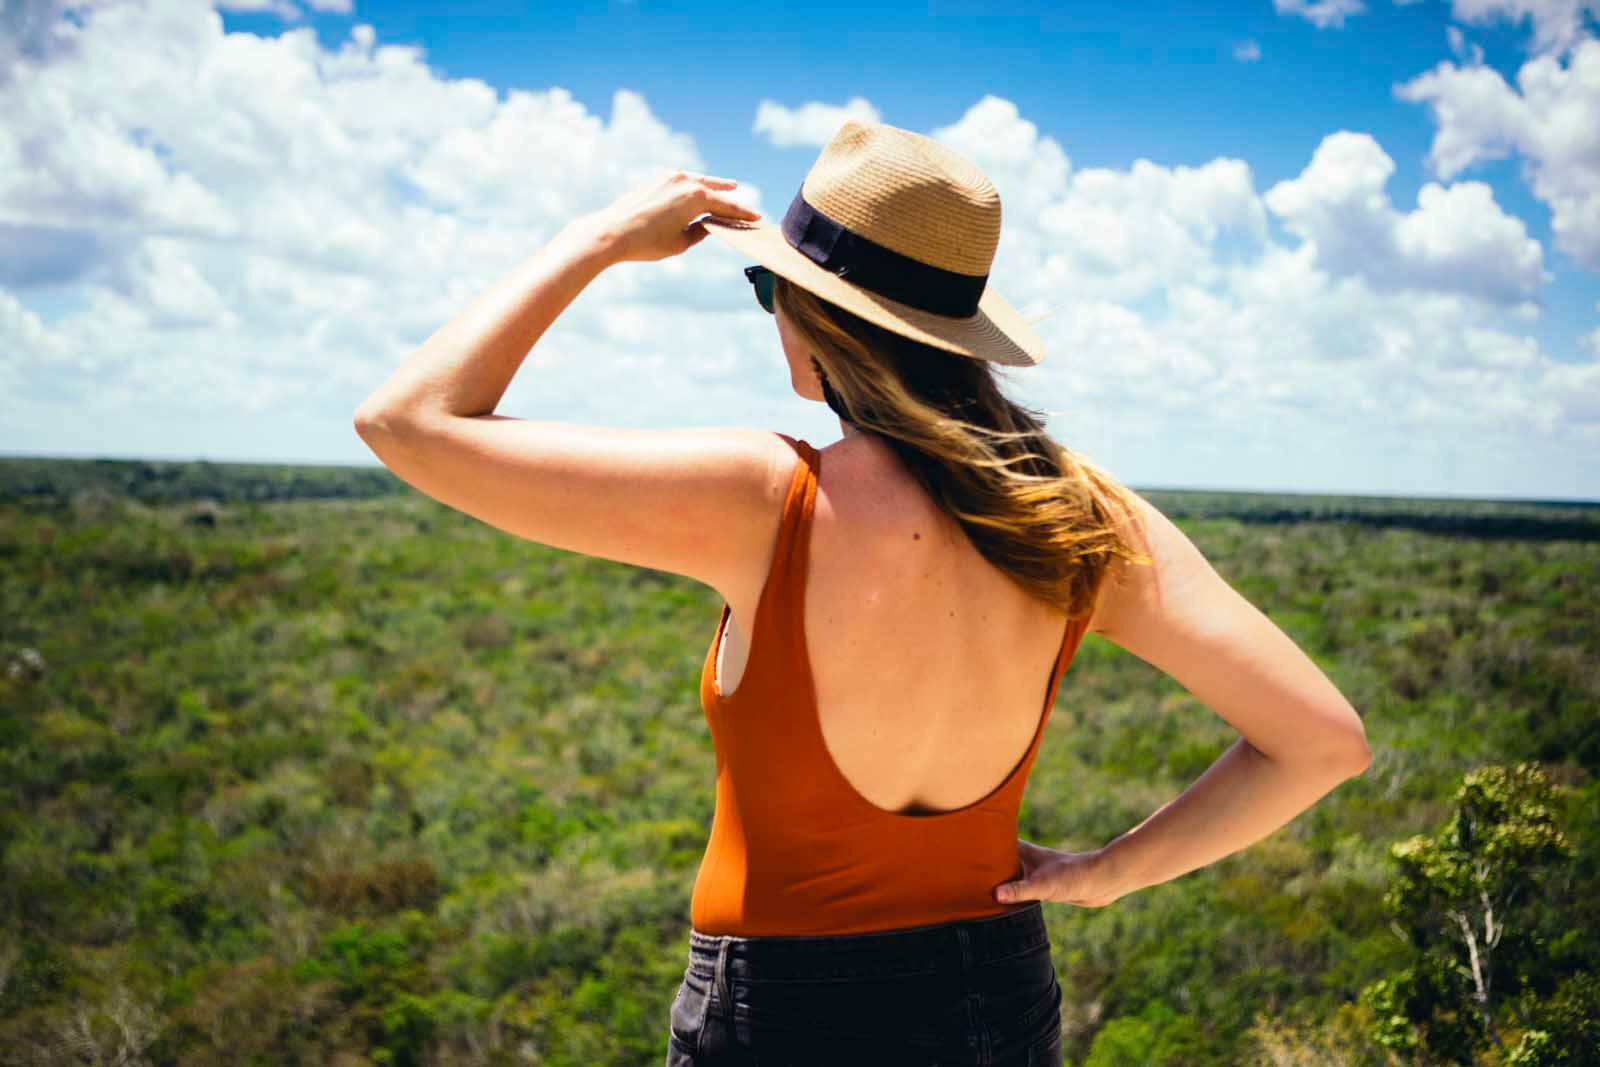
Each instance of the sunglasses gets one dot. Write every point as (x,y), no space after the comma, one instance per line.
(762,279)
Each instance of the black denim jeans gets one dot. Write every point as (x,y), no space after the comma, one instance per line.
(978,991)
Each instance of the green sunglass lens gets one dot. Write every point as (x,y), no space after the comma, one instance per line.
(762,279)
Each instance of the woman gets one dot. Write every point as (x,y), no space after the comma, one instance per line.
(891,605)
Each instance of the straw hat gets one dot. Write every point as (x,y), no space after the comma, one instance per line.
(900,230)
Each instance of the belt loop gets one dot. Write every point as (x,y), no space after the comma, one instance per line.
(719,991)
(724,994)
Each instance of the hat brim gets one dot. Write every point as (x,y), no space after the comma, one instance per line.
(997,332)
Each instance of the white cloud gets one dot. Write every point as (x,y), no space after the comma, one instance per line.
(262,227)
(1320,13)
(1290,354)
(1153,315)
(40,30)
(811,123)
(1457,240)
(1469,53)
(1553,123)
(1122,234)
(246,220)
(1247,51)
(1558,25)
(287,10)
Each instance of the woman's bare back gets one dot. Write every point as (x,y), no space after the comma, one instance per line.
(929,663)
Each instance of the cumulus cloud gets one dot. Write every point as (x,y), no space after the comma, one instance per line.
(1553,123)
(1558,25)
(1320,13)
(287,10)
(1247,51)
(1125,233)
(1591,342)
(1469,53)
(1457,240)
(263,227)
(39,31)
(1171,299)
(246,220)
(812,123)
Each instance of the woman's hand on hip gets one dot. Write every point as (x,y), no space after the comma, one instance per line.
(652,221)
(1080,878)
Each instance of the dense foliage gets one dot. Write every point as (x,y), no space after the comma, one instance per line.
(359,779)
(1461,899)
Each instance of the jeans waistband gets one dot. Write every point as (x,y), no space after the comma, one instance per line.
(992,937)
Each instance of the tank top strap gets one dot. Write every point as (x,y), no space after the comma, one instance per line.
(798,506)
(1077,629)
(783,594)
(1071,638)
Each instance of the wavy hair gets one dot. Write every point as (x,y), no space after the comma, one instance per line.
(1047,516)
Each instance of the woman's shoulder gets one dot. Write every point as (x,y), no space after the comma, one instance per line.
(1183,618)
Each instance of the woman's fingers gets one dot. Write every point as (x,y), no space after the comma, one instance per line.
(708,180)
(711,179)
(654,222)
(725,206)
(708,197)
(694,234)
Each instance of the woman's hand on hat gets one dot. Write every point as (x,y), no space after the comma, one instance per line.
(653,221)
(1081,878)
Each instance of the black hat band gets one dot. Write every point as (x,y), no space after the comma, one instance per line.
(862,261)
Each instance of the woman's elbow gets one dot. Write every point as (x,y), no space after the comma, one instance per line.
(1353,755)
(1341,740)
(1338,751)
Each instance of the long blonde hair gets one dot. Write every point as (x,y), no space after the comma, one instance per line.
(1040,512)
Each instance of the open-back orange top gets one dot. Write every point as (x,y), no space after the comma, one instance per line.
(794,848)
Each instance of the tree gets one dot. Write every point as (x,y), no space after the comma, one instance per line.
(1455,897)
(1565,1030)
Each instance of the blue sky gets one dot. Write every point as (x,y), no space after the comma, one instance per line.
(1113,82)
(1296,326)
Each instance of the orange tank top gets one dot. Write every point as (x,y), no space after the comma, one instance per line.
(794,849)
